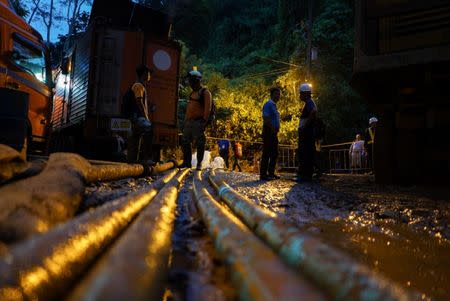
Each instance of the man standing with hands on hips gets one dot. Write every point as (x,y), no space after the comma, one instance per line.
(197,116)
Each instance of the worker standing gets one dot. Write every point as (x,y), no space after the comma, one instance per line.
(369,140)
(356,152)
(306,139)
(271,127)
(135,108)
(197,115)
(224,151)
(237,154)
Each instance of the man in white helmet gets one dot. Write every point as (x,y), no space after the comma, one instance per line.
(306,140)
(197,115)
(369,140)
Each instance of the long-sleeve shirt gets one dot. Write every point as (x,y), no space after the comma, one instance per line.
(198,108)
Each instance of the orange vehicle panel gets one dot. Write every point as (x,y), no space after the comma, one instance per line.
(164,84)
(132,57)
(15,30)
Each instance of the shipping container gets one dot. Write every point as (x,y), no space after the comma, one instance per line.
(99,69)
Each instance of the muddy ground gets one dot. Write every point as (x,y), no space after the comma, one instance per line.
(401,232)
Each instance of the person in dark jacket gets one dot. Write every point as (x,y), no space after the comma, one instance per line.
(306,139)
(271,127)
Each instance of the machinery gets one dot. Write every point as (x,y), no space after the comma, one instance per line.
(402,68)
(98,70)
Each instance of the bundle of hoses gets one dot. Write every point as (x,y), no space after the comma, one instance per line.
(339,275)
(46,266)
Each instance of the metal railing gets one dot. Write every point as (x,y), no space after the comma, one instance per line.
(334,158)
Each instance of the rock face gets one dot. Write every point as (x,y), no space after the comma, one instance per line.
(11,163)
(35,204)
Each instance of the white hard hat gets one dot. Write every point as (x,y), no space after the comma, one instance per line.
(373,120)
(305,88)
(195,73)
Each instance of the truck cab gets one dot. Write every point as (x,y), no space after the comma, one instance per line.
(25,83)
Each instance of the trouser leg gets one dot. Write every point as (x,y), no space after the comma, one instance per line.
(318,163)
(147,145)
(265,158)
(236,164)
(309,158)
(306,149)
(369,157)
(200,140)
(186,144)
(140,142)
(132,149)
(299,156)
(225,157)
(187,154)
(273,155)
(267,154)
(309,163)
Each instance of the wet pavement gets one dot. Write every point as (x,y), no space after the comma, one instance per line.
(197,273)
(97,194)
(402,233)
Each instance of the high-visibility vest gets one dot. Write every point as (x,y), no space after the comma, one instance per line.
(372,136)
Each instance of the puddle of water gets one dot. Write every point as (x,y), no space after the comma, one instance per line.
(414,260)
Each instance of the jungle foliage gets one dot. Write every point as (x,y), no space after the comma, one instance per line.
(244,47)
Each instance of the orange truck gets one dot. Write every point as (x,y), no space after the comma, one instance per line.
(25,83)
(98,70)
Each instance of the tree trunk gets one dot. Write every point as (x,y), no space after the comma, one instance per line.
(50,21)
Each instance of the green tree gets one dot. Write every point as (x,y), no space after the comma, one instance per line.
(245,47)
(20,8)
